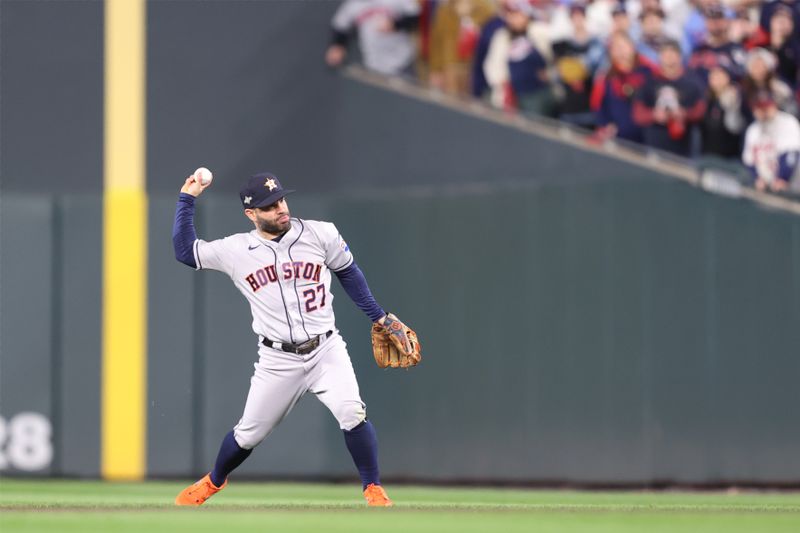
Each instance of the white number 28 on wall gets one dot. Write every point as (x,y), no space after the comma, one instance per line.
(25,442)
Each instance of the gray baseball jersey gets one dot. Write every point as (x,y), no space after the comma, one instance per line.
(287,283)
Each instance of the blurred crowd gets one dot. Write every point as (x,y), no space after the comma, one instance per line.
(716,80)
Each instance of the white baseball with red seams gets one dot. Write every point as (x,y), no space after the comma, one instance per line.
(203,176)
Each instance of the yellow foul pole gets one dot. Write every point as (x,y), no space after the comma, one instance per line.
(124,358)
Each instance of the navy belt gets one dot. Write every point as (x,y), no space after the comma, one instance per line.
(302,348)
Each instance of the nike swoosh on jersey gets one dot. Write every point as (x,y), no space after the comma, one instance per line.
(253,247)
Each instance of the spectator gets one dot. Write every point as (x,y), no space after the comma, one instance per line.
(383,28)
(598,17)
(621,21)
(744,29)
(761,77)
(670,104)
(796,101)
(678,12)
(576,59)
(558,20)
(784,43)
(479,83)
(613,91)
(772,145)
(456,29)
(427,10)
(541,9)
(723,123)
(675,12)
(768,8)
(653,35)
(694,28)
(516,65)
(717,48)
(626,18)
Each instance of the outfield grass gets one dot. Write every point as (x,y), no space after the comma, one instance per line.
(57,505)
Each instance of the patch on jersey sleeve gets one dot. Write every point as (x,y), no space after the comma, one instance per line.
(343,245)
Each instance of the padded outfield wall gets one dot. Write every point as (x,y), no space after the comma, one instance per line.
(582,318)
(602,332)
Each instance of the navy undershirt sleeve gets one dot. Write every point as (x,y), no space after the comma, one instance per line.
(787,164)
(183,233)
(355,285)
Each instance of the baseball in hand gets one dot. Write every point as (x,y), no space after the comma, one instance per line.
(203,176)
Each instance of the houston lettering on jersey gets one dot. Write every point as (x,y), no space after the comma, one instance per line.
(287,271)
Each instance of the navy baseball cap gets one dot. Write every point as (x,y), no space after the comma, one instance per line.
(262,190)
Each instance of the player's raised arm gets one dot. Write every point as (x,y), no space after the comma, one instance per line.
(183,232)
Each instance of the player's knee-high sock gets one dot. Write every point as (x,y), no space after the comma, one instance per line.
(362,442)
(229,457)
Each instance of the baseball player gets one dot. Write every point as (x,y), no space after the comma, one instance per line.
(283,268)
(771,145)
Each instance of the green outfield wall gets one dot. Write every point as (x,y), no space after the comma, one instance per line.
(603,332)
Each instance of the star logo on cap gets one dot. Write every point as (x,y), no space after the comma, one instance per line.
(271,184)
(248,199)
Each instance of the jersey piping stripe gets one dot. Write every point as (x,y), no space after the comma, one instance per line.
(352,260)
(283,299)
(299,305)
(197,255)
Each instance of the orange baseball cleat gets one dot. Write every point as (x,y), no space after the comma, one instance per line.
(376,496)
(197,493)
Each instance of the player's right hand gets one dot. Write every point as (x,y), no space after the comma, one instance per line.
(193,187)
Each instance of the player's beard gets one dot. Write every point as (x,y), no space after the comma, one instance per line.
(274,228)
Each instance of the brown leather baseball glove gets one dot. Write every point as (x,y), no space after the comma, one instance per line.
(394,344)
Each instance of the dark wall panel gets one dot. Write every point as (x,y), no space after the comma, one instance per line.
(50,322)
(172,347)
(52,85)
(758,339)
(389,140)
(81,282)
(27,300)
